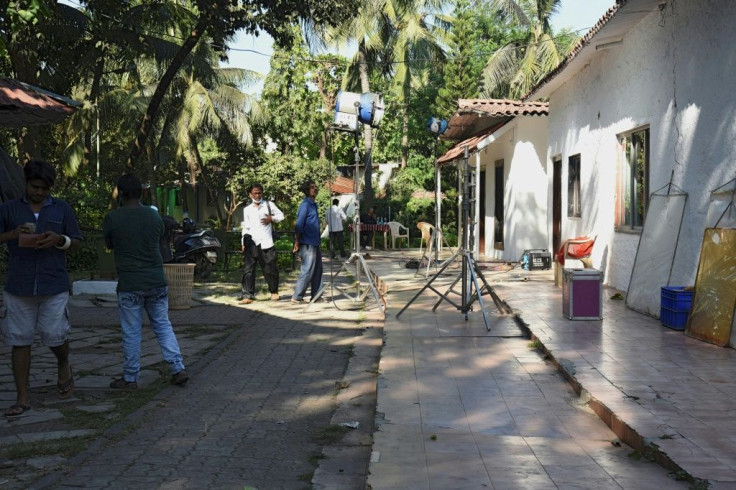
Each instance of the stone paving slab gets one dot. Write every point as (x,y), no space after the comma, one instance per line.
(465,408)
(264,380)
(661,391)
(458,406)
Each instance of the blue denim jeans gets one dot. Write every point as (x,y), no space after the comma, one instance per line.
(310,272)
(156,304)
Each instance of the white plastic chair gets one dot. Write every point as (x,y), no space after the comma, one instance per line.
(398,231)
(426,230)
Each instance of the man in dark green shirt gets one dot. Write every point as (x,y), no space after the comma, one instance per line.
(133,232)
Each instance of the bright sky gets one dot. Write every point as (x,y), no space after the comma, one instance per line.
(580,14)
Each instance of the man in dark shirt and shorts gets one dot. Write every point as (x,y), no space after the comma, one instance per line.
(133,232)
(39,230)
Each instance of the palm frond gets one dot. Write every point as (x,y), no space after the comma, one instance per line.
(501,68)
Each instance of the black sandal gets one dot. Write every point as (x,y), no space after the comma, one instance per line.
(66,388)
(16,409)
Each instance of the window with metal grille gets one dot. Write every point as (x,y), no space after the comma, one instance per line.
(574,205)
(633,185)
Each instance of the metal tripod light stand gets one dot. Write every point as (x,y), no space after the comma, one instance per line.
(355,264)
(470,272)
(432,258)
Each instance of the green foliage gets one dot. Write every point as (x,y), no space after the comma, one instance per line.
(282,177)
(476,33)
(88,197)
(418,175)
(531,52)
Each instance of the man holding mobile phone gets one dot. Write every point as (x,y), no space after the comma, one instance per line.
(39,230)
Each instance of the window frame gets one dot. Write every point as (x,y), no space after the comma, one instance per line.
(631,145)
(574,186)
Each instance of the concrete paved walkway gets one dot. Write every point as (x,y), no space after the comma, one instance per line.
(463,407)
(266,382)
(458,406)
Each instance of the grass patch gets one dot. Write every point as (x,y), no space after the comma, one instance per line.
(315,458)
(534,344)
(64,447)
(330,434)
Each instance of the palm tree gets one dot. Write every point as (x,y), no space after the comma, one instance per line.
(206,101)
(416,44)
(364,29)
(397,36)
(513,70)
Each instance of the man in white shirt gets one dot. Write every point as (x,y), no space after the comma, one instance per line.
(335,217)
(257,244)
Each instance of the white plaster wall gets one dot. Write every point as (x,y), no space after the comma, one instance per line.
(521,146)
(673,72)
(526,189)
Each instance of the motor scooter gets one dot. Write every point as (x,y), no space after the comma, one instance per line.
(184,244)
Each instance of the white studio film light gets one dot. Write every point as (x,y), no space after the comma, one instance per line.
(352,108)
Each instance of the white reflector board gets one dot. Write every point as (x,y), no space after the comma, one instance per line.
(656,253)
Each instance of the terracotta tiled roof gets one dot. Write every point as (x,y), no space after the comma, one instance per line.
(25,105)
(342,185)
(502,107)
(475,115)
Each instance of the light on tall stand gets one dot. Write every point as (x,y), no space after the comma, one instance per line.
(351,110)
(437,127)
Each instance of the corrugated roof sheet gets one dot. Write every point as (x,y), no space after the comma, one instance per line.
(24,105)
(503,107)
(343,185)
(457,151)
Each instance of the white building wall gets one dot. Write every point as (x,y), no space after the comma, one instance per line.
(674,73)
(521,146)
(526,189)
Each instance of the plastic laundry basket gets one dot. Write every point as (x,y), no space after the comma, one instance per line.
(181,278)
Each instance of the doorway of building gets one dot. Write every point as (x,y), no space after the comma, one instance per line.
(482,217)
(498,212)
(556,204)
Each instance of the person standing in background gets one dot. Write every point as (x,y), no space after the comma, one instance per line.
(133,232)
(307,244)
(335,217)
(366,237)
(257,244)
(39,230)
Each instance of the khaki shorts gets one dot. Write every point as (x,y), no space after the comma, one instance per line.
(22,316)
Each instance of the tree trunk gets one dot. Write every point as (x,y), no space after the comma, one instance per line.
(406,89)
(163,86)
(94,96)
(405,138)
(367,129)
(325,138)
(328,100)
(214,195)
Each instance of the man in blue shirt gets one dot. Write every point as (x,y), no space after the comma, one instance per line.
(39,231)
(307,244)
